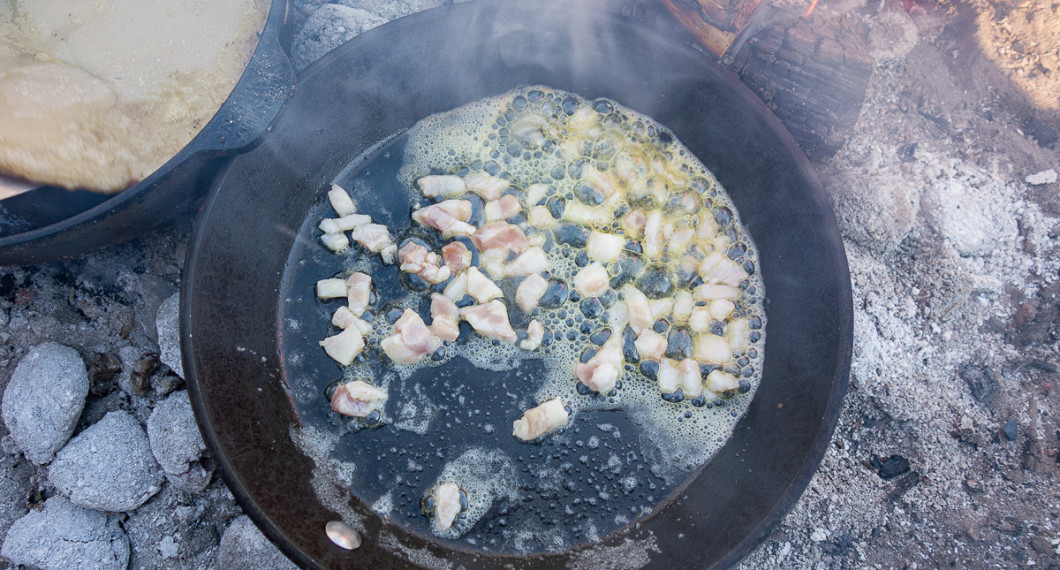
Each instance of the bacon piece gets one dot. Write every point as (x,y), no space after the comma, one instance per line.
(490,320)
(446,505)
(500,235)
(669,378)
(374,237)
(341,201)
(441,185)
(486,185)
(358,292)
(344,224)
(480,287)
(718,268)
(535,333)
(650,344)
(539,420)
(345,346)
(601,372)
(689,378)
(530,291)
(529,262)
(357,399)
(640,313)
(634,222)
(720,381)
(450,217)
(445,315)
(411,341)
(592,280)
(457,256)
(603,246)
(502,208)
(412,256)
(344,319)
(331,288)
(712,349)
(540,217)
(457,288)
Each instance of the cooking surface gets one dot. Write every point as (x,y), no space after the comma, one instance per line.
(949,120)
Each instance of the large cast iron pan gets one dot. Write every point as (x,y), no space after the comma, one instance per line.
(49,223)
(383,82)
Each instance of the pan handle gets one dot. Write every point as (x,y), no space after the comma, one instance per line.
(260,94)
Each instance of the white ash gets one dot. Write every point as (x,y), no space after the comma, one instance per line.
(177,444)
(64,535)
(108,466)
(167,325)
(244,547)
(44,398)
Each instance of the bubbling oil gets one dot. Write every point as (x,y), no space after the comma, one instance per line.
(556,150)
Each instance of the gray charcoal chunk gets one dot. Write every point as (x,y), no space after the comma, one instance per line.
(108,466)
(177,444)
(243,547)
(64,535)
(167,324)
(44,399)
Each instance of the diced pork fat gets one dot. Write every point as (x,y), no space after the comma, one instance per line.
(445,323)
(529,262)
(341,201)
(457,256)
(600,373)
(344,224)
(411,341)
(709,291)
(592,280)
(689,378)
(345,346)
(449,217)
(374,237)
(480,287)
(540,217)
(446,505)
(502,208)
(344,319)
(412,256)
(490,320)
(712,349)
(358,292)
(669,377)
(530,291)
(604,247)
(335,242)
(718,268)
(331,288)
(441,185)
(486,185)
(640,313)
(535,333)
(457,288)
(537,421)
(357,399)
(500,235)
(650,344)
(720,381)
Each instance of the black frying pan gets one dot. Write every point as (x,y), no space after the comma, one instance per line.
(49,223)
(384,81)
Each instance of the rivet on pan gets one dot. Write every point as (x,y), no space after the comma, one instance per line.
(342,535)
